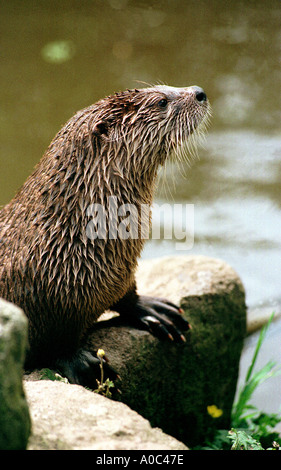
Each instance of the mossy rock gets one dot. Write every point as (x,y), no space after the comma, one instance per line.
(15,424)
(172,385)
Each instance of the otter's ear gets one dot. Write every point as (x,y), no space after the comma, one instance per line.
(100,128)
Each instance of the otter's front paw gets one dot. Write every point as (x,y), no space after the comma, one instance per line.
(83,368)
(161,317)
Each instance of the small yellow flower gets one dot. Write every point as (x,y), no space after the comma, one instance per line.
(100,353)
(214,411)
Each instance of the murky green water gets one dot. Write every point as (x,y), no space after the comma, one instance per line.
(60,56)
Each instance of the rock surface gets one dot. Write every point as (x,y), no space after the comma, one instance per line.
(14,413)
(70,417)
(170,384)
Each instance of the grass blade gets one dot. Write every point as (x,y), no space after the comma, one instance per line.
(258,346)
(253,379)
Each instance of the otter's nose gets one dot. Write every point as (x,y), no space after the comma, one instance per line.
(200,94)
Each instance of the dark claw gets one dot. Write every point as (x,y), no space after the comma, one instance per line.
(155,327)
(170,310)
(162,318)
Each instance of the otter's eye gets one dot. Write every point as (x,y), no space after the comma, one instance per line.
(162,103)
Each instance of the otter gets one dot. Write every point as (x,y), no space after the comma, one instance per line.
(62,277)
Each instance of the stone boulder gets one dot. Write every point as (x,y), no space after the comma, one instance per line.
(14,413)
(69,417)
(173,385)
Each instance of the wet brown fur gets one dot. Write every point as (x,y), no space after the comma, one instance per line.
(48,266)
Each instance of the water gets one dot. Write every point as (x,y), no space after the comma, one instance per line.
(58,57)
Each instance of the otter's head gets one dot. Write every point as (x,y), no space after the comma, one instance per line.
(151,123)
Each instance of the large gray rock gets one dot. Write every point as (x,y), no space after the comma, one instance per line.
(173,385)
(14,413)
(70,417)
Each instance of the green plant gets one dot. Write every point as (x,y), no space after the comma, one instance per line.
(48,374)
(251,429)
(103,386)
(244,415)
(243,441)
(252,380)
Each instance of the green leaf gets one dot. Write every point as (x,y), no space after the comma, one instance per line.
(258,346)
(243,441)
(253,380)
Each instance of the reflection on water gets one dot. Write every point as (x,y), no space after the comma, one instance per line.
(58,57)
